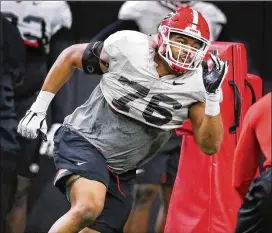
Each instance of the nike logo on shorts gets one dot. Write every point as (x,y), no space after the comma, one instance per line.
(139,171)
(80,163)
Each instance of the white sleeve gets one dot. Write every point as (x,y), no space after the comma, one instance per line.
(110,49)
(63,17)
(125,46)
(111,52)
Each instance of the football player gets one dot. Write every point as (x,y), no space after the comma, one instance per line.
(150,86)
(37,22)
(156,177)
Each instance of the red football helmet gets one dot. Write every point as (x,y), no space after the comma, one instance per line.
(187,22)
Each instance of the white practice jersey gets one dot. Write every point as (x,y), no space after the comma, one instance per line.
(37,21)
(149,14)
(130,114)
(133,87)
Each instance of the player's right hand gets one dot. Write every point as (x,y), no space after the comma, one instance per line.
(32,125)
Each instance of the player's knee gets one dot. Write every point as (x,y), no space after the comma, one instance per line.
(146,193)
(87,203)
(87,212)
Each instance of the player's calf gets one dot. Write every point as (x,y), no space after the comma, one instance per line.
(16,219)
(23,186)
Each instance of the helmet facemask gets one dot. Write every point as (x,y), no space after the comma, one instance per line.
(188,57)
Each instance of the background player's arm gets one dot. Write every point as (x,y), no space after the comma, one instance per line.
(208,130)
(246,157)
(116,26)
(71,58)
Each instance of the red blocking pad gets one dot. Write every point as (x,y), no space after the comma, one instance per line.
(203,199)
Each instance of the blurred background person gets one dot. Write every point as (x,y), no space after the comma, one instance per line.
(157,177)
(12,62)
(37,22)
(254,143)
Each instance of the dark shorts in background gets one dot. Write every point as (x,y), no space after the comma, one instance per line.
(162,169)
(255,214)
(73,154)
(28,157)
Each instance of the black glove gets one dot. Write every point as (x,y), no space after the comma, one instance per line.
(214,78)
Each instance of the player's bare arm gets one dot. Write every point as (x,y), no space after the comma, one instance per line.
(82,56)
(72,57)
(208,130)
(206,119)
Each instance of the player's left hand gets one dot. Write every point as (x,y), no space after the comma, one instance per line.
(214,78)
(47,147)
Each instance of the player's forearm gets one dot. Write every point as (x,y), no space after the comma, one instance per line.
(210,134)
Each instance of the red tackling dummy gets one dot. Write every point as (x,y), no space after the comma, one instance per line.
(203,199)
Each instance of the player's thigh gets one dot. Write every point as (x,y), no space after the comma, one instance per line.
(83,174)
(74,155)
(86,194)
(118,204)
